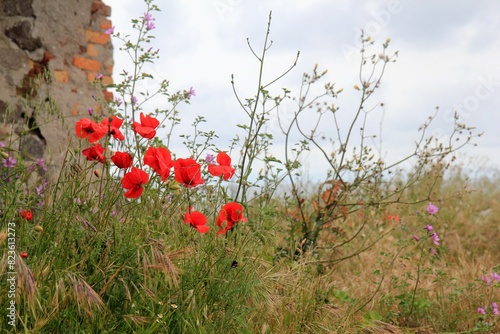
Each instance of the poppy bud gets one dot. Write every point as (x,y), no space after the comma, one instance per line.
(4,154)
(97,173)
(23,255)
(26,214)
(174,186)
(38,228)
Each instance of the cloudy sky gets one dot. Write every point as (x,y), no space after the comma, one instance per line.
(448,57)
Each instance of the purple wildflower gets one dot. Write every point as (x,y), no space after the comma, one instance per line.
(134,100)
(416,238)
(150,25)
(149,21)
(481,310)
(118,101)
(39,189)
(489,279)
(432,209)
(90,111)
(486,280)
(495,308)
(110,31)
(428,228)
(10,162)
(435,239)
(41,163)
(210,159)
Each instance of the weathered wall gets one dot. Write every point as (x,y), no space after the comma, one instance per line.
(65,38)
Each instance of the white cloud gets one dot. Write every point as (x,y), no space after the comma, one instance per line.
(447,49)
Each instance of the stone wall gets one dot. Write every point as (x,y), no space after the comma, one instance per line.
(51,51)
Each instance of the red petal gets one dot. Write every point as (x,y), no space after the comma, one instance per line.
(223,159)
(202,228)
(135,192)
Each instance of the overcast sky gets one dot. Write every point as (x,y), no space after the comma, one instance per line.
(449,57)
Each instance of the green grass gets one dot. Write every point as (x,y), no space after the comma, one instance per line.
(106,264)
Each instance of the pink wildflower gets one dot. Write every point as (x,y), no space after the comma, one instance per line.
(210,159)
(435,239)
(149,21)
(432,209)
(191,93)
(495,308)
(10,162)
(110,31)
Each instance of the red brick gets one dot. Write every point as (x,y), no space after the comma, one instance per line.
(87,64)
(97,110)
(96,37)
(92,50)
(91,76)
(107,80)
(74,112)
(106,24)
(61,76)
(98,7)
(109,69)
(108,96)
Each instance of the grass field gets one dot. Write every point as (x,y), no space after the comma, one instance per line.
(102,263)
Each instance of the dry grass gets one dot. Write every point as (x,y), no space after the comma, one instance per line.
(183,282)
(88,301)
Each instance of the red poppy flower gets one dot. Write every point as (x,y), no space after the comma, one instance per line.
(113,124)
(27,214)
(95,152)
(223,168)
(122,159)
(147,127)
(23,255)
(188,172)
(230,214)
(197,220)
(133,182)
(160,160)
(85,128)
